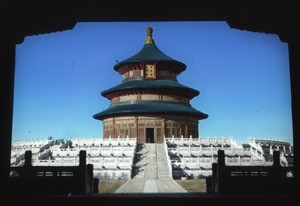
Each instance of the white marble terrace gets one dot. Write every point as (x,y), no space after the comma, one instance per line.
(113,158)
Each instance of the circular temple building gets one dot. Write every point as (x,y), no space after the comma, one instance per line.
(150,104)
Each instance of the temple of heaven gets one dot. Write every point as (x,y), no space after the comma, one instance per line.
(150,104)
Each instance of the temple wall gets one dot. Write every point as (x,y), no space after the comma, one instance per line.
(170,98)
(150,97)
(128,98)
(138,74)
(163,74)
(137,126)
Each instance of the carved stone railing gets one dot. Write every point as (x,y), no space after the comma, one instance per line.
(45,180)
(250,179)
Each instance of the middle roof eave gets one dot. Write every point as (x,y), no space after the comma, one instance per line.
(150,84)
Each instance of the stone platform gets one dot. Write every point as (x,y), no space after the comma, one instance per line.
(153,175)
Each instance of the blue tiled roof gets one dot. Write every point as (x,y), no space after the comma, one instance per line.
(150,108)
(152,84)
(150,53)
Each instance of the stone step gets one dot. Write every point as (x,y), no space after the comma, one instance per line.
(151,162)
(162,163)
(151,166)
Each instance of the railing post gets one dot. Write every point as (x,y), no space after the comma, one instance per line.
(220,176)
(28,158)
(221,158)
(276,158)
(278,171)
(90,179)
(82,172)
(28,164)
(214,179)
(95,185)
(82,158)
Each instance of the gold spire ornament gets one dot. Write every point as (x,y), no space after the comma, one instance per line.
(149,39)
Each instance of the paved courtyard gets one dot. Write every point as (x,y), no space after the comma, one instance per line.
(166,185)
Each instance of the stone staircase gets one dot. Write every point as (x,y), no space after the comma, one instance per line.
(151,172)
(139,163)
(162,162)
(150,162)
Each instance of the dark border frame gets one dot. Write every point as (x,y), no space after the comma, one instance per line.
(19,19)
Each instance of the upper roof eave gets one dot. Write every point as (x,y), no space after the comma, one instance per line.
(150,53)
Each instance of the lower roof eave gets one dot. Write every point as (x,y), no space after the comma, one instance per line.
(147,108)
(101,117)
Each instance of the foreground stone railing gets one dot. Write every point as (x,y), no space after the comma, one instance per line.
(250,179)
(65,180)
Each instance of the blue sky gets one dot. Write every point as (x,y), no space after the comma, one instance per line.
(243,78)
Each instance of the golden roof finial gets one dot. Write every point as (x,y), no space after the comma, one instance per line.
(149,39)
